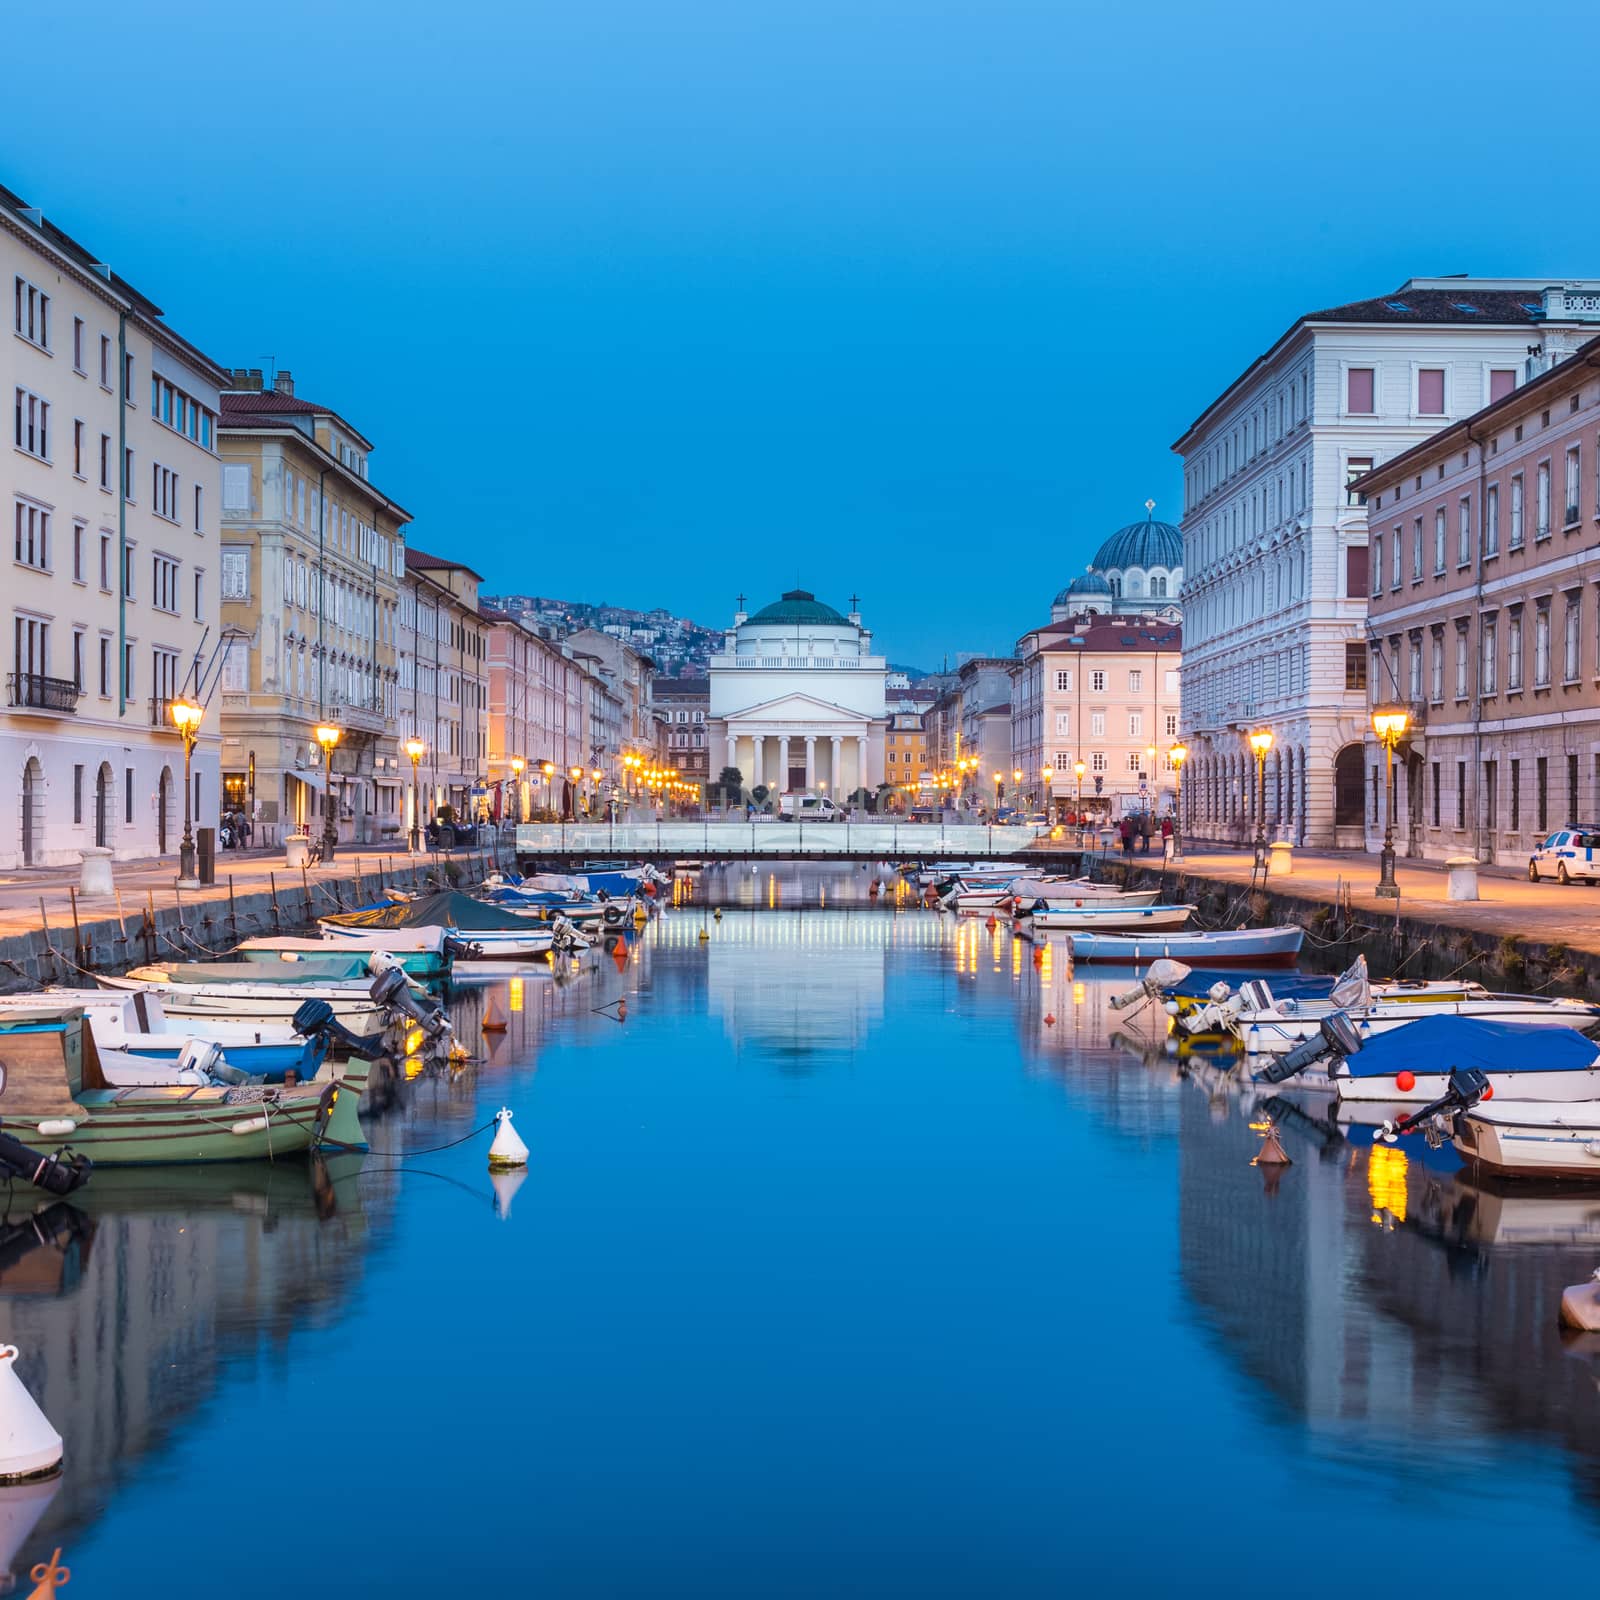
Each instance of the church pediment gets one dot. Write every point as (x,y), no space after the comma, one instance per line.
(800,708)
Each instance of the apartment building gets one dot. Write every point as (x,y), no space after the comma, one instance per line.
(1104,690)
(111,491)
(905,757)
(985,685)
(313,557)
(682,708)
(1484,622)
(1276,569)
(444,671)
(632,675)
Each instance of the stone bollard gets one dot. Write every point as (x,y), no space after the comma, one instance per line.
(1280,858)
(1463,877)
(297,849)
(96,875)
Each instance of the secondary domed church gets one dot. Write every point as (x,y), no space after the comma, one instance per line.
(798,699)
(1138,571)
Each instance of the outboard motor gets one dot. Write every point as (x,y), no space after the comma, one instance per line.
(392,990)
(1161,976)
(1468,1085)
(57,1174)
(1336,1036)
(564,935)
(200,1061)
(314,1019)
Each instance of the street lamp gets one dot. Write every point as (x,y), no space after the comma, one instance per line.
(1077,770)
(998,788)
(1389,723)
(328,736)
(1261,743)
(416,749)
(518,767)
(186,715)
(1048,776)
(1178,754)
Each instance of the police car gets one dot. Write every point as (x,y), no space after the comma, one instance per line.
(1568,854)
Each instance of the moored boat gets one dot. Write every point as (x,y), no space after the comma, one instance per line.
(236,991)
(1043,917)
(481,931)
(1236,947)
(421,953)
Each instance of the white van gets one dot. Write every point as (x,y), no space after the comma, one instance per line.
(809,808)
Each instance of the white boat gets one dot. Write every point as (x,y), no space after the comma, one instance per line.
(1005,897)
(1232,947)
(186,995)
(1531,1139)
(1042,917)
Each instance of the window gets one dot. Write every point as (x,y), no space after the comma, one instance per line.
(1463,530)
(1097,762)
(33,424)
(32,535)
(164,492)
(1516,512)
(1355,570)
(105,561)
(1136,725)
(1359,391)
(105,666)
(1461,794)
(1541,528)
(1514,652)
(1541,768)
(1172,724)
(77,659)
(77,794)
(1436,794)
(1133,761)
(1541,647)
(127,775)
(1572,486)
(1487,632)
(164,584)
(1571,645)
(1395,558)
(1097,724)
(1438,544)
(1491,794)
(127,474)
(1516,796)
(1169,680)
(199,596)
(1461,664)
(32,314)
(1355,666)
(105,462)
(105,362)
(79,533)
(1436,670)
(1097,683)
(1355,468)
(77,345)
(1501,383)
(1063,724)
(1491,521)
(1064,680)
(127,377)
(1377,563)
(1430,391)
(1414,676)
(235,574)
(1135,681)
(127,571)
(199,509)
(235,488)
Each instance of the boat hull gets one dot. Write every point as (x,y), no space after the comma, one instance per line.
(1509,1147)
(1106,919)
(1565,1087)
(1270,947)
(240,1002)
(1273,1034)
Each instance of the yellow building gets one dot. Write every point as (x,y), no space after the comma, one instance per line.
(312,559)
(905,754)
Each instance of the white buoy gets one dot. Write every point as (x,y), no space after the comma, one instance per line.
(508,1150)
(505,1181)
(29,1446)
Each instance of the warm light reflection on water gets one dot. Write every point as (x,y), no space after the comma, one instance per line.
(861,1250)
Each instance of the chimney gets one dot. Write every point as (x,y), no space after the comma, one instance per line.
(242,377)
(284,382)
(255,379)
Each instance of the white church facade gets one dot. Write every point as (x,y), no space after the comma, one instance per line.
(798,700)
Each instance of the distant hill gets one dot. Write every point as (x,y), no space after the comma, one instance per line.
(913,673)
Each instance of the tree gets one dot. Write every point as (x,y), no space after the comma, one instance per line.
(731,782)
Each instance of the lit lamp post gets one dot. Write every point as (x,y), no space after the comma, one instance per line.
(576,774)
(999,788)
(1261,743)
(1389,723)
(595,775)
(1048,775)
(1077,772)
(518,767)
(1178,754)
(415,748)
(328,737)
(186,715)
(548,768)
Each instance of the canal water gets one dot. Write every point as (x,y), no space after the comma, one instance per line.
(858,1254)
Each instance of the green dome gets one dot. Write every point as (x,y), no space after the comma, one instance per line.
(800,605)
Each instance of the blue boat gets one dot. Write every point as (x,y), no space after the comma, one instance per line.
(270,1062)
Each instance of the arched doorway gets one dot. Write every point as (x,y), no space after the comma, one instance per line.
(32,813)
(1349,787)
(102,806)
(163,810)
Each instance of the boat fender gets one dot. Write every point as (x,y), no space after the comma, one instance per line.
(58,1128)
(613,916)
(249,1125)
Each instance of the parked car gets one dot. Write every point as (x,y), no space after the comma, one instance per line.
(1568,854)
(809,808)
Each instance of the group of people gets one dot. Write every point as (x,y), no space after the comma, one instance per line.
(236,829)
(1143,826)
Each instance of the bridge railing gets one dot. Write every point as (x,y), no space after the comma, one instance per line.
(786,839)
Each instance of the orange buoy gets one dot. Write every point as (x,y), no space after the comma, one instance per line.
(1049,1019)
(622,1009)
(1272,1153)
(1038,955)
(991,924)
(494,1016)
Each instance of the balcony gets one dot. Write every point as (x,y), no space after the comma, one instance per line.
(35,692)
(161,713)
(359,714)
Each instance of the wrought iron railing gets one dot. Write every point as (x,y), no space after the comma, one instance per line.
(39,693)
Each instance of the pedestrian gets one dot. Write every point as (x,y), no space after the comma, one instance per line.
(1125,831)
(1166,831)
(1145,830)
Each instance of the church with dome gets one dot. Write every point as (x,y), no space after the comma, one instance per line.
(1137,572)
(798,699)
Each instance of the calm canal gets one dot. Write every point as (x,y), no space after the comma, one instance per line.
(862,1257)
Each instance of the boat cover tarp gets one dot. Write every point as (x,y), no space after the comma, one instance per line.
(1441,1044)
(338,969)
(1290,986)
(446,909)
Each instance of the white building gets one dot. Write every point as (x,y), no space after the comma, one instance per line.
(111,494)
(798,699)
(1275,540)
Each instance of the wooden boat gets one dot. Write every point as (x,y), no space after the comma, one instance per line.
(238,991)
(1241,947)
(1008,896)
(480,931)
(422,953)
(54,1093)
(1531,1139)
(1043,917)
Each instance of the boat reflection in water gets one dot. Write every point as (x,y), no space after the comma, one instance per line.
(127,1303)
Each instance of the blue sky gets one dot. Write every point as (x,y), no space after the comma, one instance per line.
(656,303)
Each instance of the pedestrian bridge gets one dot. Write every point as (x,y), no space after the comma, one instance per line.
(664,842)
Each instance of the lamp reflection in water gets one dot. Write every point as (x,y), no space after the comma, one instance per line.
(1387,1167)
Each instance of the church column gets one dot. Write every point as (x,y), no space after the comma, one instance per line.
(811,761)
(783,763)
(835,774)
(757,764)
(861,761)
(733,748)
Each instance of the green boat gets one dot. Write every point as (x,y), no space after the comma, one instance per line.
(54,1096)
(424,954)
